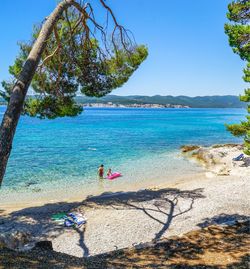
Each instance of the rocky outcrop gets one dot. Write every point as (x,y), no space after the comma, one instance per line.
(218,159)
(45,245)
(188,148)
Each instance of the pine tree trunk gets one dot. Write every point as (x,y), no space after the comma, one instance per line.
(15,106)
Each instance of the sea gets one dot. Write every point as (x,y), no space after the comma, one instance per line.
(59,157)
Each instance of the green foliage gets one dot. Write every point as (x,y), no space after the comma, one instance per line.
(246,71)
(104,76)
(51,107)
(239,36)
(72,63)
(239,129)
(246,96)
(239,40)
(239,11)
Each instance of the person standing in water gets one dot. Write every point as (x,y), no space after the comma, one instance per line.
(101,171)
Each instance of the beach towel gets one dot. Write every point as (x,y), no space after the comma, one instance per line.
(59,218)
(239,158)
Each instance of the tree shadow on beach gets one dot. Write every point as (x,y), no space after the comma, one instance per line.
(163,208)
(208,247)
(82,242)
(39,259)
(164,204)
(223,219)
(213,247)
(35,224)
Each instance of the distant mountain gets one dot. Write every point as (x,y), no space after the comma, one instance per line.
(216,101)
(226,101)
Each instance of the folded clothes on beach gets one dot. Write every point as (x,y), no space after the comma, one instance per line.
(68,223)
(77,218)
(70,219)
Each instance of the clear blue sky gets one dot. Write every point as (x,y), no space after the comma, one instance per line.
(188,50)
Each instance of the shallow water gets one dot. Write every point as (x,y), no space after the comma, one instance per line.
(143,144)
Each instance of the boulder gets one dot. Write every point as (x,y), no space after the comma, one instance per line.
(45,245)
(188,148)
(14,240)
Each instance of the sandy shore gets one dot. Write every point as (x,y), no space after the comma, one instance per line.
(119,220)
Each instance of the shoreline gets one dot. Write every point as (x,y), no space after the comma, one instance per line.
(84,105)
(156,173)
(135,216)
(78,196)
(129,218)
(205,162)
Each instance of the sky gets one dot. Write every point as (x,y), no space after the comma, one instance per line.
(189,52)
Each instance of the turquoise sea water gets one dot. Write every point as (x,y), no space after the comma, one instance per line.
(140,143)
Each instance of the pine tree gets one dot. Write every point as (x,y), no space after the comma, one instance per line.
(69,52)
(238,32)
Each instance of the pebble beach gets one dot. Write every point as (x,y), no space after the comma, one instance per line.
(118,220)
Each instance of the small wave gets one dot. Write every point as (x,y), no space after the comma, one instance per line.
(93,149)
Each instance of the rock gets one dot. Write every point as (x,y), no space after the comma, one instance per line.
(203,156)
(226,146)
(46,245)
(223,172)
(14,240)
(188,148)
(2,243)
(36,190)
(28,184)
(208,159)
